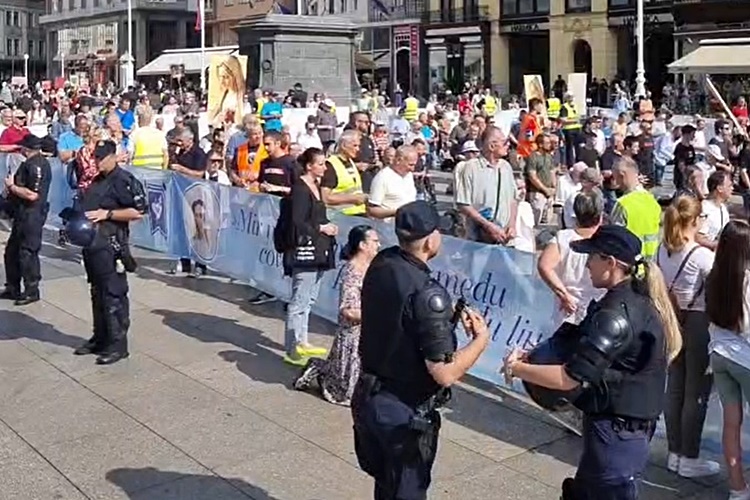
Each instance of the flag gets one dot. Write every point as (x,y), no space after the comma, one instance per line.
(200,15)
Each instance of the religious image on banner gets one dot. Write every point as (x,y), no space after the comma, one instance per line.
(157,213)
(226,89)
(533,86)
(201,216)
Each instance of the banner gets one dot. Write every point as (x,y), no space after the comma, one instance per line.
(231,231)
(226,88)
(577,85)
(533,86)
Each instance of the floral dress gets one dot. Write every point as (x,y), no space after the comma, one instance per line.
(341,370)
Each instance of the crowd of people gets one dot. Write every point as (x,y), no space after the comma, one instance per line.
(552,168)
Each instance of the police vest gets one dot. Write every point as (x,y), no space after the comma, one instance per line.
(260,102)
(490,105)
(411,109)
(348,182)
(250,169)
(148,151)
(572,117)
(553,107)
(643,215)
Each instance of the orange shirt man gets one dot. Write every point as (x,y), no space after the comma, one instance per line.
(530,128)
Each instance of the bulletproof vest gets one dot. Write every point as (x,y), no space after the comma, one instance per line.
(388,350)
(629,389)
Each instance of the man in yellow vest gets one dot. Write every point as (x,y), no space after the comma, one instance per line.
(571,127)
(341,185)
(259,102)
(553,108)
(490,104)
(148,145)
(636,209)
(411,108)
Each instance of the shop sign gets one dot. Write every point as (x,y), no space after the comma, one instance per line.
(414,45)
(519,28)
(648,19)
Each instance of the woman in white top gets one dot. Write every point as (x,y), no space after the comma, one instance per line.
(728,308)
(685,265)
(37,115)
(565,271)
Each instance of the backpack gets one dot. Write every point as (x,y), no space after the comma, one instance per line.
(283,231)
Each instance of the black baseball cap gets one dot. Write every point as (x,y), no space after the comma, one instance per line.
(104,149)
(615,241)
(417,220)
(31,142)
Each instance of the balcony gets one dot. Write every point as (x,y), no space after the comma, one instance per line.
(395,10)
(468,14)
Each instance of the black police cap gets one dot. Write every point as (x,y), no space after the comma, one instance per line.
(104,149)
(615,241)
(417,220)
(31,142)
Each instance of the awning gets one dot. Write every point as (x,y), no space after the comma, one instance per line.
(363,62)
(190,58)
(719,57)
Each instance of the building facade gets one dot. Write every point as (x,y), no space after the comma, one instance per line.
(89,37)
(20,35)
(226,14)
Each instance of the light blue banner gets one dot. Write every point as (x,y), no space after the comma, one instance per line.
(231,231)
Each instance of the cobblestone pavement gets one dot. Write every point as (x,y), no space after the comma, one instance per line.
(202,409)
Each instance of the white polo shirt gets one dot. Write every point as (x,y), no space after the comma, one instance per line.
(391,190)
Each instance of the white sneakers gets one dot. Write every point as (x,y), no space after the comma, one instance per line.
(693,467)
(740,495)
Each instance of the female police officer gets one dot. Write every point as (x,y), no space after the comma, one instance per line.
(616,371)
(114,198)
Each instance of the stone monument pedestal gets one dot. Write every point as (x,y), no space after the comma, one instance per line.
(316,51)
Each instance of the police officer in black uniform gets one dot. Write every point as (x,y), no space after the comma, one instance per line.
(615,371)
(27,193)
(409,358)
(114,199)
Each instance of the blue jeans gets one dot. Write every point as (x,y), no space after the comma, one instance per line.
(305,288)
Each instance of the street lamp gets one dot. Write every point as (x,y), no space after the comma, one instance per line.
(129,74)
(640,72)
(26,68)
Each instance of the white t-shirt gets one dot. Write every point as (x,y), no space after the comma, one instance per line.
(699,141)
(707,171)
(525,240)
(569,215)
(221,177)
(565,188)
(717,217)
(306,140)
(391,190)
(692,279)
(574,275)
(600,143)
(734,346)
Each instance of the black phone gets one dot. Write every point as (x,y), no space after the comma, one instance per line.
(458,309)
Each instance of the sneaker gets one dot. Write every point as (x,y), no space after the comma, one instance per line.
(740,495)
(311,350)
(295,359)
(697,467)
(673,462)
(262,298)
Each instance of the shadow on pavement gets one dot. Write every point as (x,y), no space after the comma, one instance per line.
(18,325)
(150,483)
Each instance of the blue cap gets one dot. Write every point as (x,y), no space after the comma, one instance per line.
(417,220)
(612,240)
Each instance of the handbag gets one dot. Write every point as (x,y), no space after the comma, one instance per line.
(678,311)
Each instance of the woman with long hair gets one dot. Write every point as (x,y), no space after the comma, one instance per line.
(309,255)
(685,265)
(728,308)
(337,375)
(613,367)
(37,115)
(229,107)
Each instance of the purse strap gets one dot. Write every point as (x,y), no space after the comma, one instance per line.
(497,195)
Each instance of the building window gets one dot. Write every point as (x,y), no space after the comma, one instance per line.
(525,7)
(30,48)
(16,47)
(8,47)
(228,3)
(620,3)
(42,55)
(84,4)
(578,6)
(8,18)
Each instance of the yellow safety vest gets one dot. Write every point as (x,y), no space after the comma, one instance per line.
(148,152)
(643,216)
(260,102)
(553,107)
(412,109)
(348,182)
(490,105)
(573,116)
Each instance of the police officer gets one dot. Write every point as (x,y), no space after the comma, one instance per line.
(114,198)
(409,358)
(27,193)
(616,370)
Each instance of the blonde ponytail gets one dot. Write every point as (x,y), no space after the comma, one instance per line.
(678,217)
(657,291)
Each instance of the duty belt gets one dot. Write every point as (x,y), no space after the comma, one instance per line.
(373,385)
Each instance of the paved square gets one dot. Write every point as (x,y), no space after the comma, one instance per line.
(202,410)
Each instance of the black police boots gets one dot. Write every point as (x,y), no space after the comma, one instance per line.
(111,358)
(28,297)
(10,294)
(88,348)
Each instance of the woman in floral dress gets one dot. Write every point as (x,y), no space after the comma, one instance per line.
(337,375)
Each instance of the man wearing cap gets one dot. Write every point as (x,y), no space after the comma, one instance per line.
(27,190)
(409,358)
(12,136)
(614,371)
(114,199)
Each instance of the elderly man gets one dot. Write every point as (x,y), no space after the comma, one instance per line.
(6,119)
(487,194)
(250,122)
(190,159)
(14,134)
(148,145)
(70,142)
(590,180)
(341,185)
(393,187)
(245,164)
